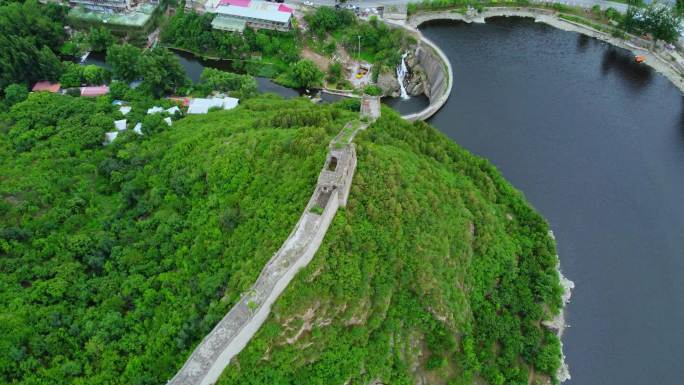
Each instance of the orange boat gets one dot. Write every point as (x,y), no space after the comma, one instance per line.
(640,59)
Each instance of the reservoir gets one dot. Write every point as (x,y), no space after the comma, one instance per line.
(596,143)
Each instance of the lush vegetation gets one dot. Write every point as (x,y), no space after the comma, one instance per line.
(303,74)
(116,260)
(657,19)
(28,33)
(437,269)
(372,90)
(379,44)
(262,52)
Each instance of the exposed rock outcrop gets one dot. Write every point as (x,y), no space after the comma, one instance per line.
(388,83)
(415,82)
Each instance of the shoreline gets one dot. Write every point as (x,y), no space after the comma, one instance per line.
(654,59)
(557,323)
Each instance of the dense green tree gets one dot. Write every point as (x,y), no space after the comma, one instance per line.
(28,32)
(117,259)
(326,19)
(661,21)
(100,39)
(94,75)
(306,74)
(161,71)
(241,86)
(72,76)
(124,61)
(434,249)
(15,93)
(118,89)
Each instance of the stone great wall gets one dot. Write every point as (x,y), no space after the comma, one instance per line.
(238,326)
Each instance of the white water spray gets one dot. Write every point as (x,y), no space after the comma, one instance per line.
(401,74)
(84,57)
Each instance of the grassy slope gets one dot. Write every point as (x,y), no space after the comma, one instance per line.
(437,268)
(116,261)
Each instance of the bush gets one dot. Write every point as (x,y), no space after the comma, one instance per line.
(334,72)
(74,91)
(72,76)
(15,93)
(241,86)
(372,90)
(124,61)
(659,20)
(117,90)
(306,74)
(100,38)
(351,104)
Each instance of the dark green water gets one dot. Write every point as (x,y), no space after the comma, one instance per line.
(596,143)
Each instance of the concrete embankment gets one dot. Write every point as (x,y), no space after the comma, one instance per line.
(233,332)
(437,70)
(666,62)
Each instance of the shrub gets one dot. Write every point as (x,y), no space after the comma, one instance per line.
(372,90)
(15,93)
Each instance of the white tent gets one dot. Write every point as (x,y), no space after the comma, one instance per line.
(168,121)
(125,109)
(155,110)
(120,125)
(110,136)
(172,110)
(230,103)
(138,128)
(202,105)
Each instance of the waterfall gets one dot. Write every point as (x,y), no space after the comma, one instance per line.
(401,75)
(84,57)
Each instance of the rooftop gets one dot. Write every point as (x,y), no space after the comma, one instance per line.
(202,105)
(227,23)
(254,9)
(46,86)
(94,91)
(137,17)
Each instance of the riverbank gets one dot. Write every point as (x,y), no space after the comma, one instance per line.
(672,69)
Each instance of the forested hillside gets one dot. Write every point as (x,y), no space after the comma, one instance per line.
(437,272)
(116,260)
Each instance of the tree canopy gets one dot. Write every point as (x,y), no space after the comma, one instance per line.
(657,19)
(117,260)
(28,34)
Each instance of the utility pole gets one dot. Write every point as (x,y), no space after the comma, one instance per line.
(359,54)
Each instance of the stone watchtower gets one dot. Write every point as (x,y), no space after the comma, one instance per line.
(370,107)
(338,172)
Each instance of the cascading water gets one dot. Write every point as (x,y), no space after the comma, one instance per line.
(85,57)
(402,70)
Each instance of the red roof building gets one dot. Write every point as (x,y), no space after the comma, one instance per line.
(46,86)
(285,8)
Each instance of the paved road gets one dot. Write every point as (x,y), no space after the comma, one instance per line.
(374,3)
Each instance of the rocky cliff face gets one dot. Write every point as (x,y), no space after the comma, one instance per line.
(417,80)
(388,83)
